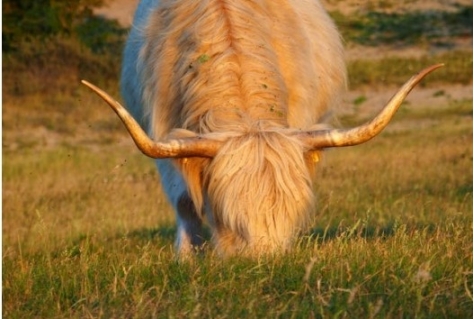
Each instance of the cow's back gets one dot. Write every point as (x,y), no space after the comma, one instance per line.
(222,65)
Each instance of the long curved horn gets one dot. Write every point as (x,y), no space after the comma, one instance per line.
(358,135)
(173,148)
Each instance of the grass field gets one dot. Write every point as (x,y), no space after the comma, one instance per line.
(87,232)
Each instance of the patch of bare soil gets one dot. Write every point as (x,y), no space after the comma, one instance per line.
(376,98)
(120,10)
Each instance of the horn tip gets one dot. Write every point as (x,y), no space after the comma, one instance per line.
(435,66)
(88,84)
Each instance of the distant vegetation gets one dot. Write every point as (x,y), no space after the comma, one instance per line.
(48,44)
(408,28)
(34,21)
(395,70)
(51,45)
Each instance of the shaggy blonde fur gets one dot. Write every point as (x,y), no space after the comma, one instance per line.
(242,71)
(260,206)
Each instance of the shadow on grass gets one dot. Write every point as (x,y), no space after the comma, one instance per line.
(318,234)
(166,233)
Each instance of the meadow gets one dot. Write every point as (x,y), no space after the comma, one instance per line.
(87,232)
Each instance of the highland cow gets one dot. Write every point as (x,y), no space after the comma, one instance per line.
(232,95)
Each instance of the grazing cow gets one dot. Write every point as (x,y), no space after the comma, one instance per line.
(232,94)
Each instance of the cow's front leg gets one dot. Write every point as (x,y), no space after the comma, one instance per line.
(189,237)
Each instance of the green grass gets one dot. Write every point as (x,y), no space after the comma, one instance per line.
(87,233)
(409,274)
(397,70)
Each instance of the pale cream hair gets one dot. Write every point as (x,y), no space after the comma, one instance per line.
(244,71)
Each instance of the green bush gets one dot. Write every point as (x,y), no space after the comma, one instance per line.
(406,28)
(50,45)
(101,35)
(56,65)
(33,20)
